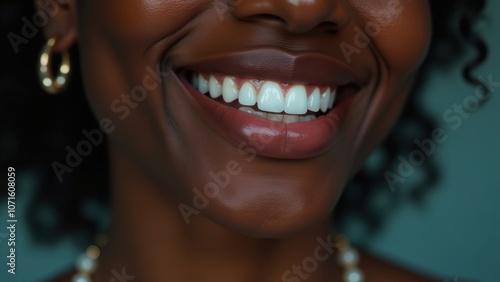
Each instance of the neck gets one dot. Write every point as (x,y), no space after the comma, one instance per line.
(149,240)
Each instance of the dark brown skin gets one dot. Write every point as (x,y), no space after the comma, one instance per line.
(270,214)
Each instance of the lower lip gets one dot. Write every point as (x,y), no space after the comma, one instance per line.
(273,139)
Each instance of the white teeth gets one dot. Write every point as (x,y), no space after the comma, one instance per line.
(290,118)
(271,98)
(275,117)
(214,87)
(278,117)
(253,112)
(333,96)
(248,97)
(202,84)
(307,118)
(296,100)
(229,90)
(325,100)
(314,101)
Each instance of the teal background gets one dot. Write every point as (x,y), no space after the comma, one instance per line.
(455,235)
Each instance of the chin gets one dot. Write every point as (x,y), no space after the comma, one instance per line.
(268,207)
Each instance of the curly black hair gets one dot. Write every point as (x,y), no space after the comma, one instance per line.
(37,128)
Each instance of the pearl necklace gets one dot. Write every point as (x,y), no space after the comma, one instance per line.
(347,257)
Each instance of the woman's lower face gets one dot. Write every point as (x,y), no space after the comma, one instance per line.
(253,114)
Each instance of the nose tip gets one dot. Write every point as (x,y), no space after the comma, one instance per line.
(297,16)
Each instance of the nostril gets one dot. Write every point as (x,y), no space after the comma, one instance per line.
(297,16)
(329,27)
(269,18)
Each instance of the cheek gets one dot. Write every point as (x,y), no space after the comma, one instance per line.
(402,31)
(400,42)
(140,20)
(120,67)
(117,46)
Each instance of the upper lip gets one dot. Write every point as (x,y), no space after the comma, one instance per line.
(278,65)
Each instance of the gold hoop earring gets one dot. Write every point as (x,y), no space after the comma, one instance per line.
(51,84)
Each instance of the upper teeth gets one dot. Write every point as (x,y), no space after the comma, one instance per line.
(270,96)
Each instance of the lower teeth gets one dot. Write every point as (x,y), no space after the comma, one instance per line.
(278,117)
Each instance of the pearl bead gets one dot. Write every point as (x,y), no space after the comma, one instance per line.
(86,264)
(348,257)
(80,278)
(353,275)
(93,252)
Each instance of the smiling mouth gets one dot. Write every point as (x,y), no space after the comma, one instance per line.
(282,104)
(267,99)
